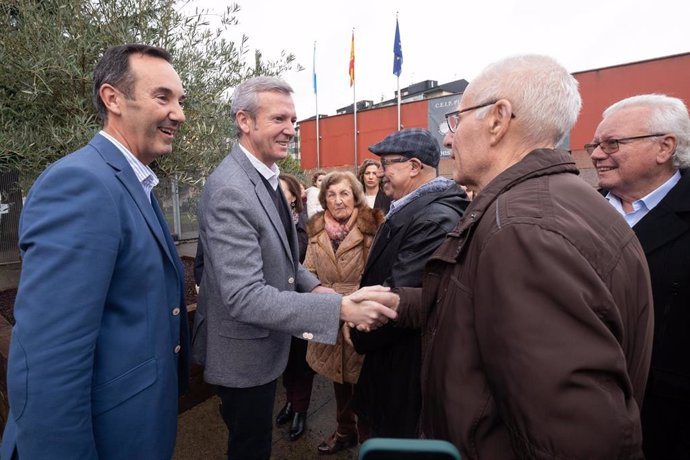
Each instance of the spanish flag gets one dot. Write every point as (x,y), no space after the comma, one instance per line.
(352,60)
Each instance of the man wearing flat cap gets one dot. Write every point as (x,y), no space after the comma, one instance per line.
(424,210)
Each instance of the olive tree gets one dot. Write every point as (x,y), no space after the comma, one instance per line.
(48,49)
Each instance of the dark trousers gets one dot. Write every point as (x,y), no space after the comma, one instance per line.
(248,414)
(345,414)
(665,428)
(298,377)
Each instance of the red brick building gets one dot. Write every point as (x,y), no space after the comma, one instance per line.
(599,88)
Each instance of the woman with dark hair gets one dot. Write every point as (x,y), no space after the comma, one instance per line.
(373,189)
(292,190)
(298,377)
(339,242)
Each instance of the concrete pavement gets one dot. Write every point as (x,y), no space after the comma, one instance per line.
(202,434)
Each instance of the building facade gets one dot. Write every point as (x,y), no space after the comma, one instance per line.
(426,109)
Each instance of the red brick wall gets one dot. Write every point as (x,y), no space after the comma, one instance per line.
(599,89)
(337,133)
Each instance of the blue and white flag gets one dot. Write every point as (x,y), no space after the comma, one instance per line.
(314,67)
(397,51)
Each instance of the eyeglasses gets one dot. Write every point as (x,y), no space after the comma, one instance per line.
(453,118)
(390,161)
(610,146)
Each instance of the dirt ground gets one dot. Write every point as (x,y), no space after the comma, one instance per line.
(7,304)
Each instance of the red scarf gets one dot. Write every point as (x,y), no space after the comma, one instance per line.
(337,231)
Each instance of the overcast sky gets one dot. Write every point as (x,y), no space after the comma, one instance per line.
(449,40)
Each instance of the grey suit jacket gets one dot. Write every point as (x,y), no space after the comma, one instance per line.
(251,298)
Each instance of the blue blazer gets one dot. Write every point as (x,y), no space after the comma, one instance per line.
(94,365)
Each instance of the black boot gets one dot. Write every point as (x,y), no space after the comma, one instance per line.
(285,414)
(299,424)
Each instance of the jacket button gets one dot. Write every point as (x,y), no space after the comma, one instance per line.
(308,336)
(176,311)
(291,280)
(177,349)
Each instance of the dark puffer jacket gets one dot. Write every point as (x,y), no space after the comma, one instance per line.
(387,395)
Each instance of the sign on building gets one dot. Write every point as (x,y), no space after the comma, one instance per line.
(438,108)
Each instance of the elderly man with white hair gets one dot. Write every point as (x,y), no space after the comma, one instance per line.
(641,151)
(537,308)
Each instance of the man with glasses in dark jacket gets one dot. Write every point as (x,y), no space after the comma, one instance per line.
(425,209)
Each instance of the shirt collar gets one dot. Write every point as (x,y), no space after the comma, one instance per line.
(645,204)
(145,174)
(270,174)
(436,184)
(657,195)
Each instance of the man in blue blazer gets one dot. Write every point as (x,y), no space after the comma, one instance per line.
(641,151)
(254,293)
(99,351)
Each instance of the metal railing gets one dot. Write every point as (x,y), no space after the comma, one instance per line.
(179,203)
(10,209)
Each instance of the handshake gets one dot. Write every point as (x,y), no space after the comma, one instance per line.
(369,308)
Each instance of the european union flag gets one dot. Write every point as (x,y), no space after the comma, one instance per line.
(397,51)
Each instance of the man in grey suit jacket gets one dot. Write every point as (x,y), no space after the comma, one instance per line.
(252,296)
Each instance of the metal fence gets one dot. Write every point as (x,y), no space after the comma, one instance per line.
(10,208)
(179,203)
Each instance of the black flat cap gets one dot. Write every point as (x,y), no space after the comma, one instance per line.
(411,142)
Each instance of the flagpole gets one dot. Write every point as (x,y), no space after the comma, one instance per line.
(399,125)
(397,37)
(316,98)
(354,94)
(354,101)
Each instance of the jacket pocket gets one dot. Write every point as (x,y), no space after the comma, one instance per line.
(242,331)
(118,390)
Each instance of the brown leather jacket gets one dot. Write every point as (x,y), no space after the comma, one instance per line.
(537,315)
(342,271)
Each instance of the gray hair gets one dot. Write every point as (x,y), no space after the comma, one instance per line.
(337,177)
(544,96)
(245,97)
(669,115)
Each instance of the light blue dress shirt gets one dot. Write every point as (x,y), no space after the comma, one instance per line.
(645,204)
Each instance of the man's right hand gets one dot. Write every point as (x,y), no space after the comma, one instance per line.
(366,309)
